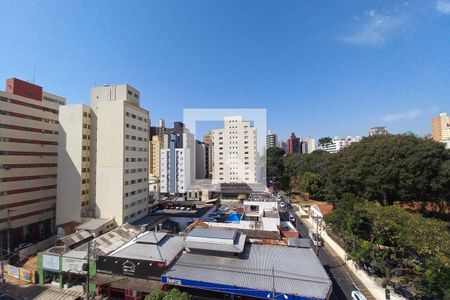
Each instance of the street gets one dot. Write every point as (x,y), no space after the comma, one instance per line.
(342,285)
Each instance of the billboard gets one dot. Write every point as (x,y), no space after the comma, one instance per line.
(50,262)
(73,265)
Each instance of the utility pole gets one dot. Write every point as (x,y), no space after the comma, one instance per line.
(87,270)
(1,260)
(273,283)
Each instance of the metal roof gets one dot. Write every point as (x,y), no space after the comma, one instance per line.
(299,243)
(166,250)
(151,237)
(213,233)
(297,271)
(106,243)
(74,238)
(236,247)
(93,224)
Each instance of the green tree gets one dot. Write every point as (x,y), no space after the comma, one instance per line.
(173,294)
(325,141)
(312,184)
(274,162)
(391,168)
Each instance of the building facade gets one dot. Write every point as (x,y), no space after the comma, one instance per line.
(338,144)
(28,162)
(176,159)
(441,127)
(379,130)
(121,164)
(234,152)
(294,144)
(271,139)
(201,151)
(74,164)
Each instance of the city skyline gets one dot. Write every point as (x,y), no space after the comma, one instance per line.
(380,64)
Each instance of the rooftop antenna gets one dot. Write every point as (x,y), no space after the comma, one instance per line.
(34,74)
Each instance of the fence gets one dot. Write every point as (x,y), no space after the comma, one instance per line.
(42,245)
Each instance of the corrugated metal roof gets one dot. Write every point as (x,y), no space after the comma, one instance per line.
(166,250)
(297,271)
(213,233)
(74,238)
(107,243)
(151,237)
(237,247)
(93,224)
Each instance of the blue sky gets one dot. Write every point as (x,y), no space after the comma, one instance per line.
(320,68)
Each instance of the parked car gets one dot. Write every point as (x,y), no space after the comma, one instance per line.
(22,246)
(357,295)
(282,204)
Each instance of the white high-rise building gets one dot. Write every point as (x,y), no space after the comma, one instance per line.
(234,152)
(104,162)
(177,163)
(271,139)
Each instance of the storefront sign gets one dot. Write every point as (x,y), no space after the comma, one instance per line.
(50,262)
(73,265)
(130,267)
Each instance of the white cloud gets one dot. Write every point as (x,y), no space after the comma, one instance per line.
(375,29)
(404,115)
(443,6)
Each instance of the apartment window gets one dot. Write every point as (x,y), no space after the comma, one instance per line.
(85,114)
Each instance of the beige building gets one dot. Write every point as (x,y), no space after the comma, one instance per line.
(441,127)
(74,159)
(155,155)
(121,165)
(104,162)
(234,157)
(28,162)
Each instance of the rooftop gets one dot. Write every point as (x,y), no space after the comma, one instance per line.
(166,249)
(293,271)
(93,224)
(220,240)
(106,243)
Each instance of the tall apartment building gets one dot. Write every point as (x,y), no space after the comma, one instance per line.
(308,145)
(121,164)
(177,161)
(74,195)
(104,161)
(200,160)
(271,139)
(234,152)
(28,162)
(283,145)
(441,127)
(378,130)
(294,144)
(207,140)
(155,155)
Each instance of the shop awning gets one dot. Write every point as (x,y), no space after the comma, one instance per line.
(123,282)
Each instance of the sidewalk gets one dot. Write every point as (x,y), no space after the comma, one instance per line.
(354,279)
